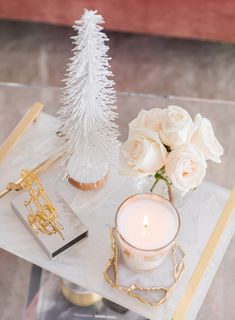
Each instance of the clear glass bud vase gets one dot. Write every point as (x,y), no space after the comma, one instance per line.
(174,195)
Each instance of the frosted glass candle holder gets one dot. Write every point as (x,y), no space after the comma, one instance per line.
(146,226)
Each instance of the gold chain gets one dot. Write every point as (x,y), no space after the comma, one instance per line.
(42,214)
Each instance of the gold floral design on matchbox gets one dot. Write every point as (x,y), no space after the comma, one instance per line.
(49,219)
(42,214)
(150,287)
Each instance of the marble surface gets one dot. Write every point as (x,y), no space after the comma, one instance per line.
(77,265)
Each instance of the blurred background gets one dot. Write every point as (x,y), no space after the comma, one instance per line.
(161,47)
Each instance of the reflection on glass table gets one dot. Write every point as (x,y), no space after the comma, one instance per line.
(46,302)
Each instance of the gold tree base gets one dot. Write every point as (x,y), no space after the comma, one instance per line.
(88,186)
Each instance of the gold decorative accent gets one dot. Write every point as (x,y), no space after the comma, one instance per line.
(185,302)
(82,299)
(42,214)
(126,252)
(88,186)
(135,290)
(152,258)
(16,186)
(30,116)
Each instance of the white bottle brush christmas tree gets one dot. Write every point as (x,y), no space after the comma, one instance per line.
(86,119)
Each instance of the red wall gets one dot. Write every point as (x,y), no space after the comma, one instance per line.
(200,19)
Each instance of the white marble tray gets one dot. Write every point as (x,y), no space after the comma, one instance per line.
(84,264)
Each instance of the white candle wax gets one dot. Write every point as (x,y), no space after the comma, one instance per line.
(147,224)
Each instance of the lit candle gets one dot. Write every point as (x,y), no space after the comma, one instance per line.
(147,226)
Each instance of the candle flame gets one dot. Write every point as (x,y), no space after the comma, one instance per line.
(145,222)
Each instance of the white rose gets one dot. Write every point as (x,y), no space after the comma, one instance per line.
(177,127)
(148,119)
(205,139)
(142,154)
(186,167)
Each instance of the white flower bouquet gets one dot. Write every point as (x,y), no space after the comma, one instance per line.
(169,145)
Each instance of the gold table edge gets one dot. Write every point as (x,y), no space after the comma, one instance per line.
(186,300)
(29,117)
